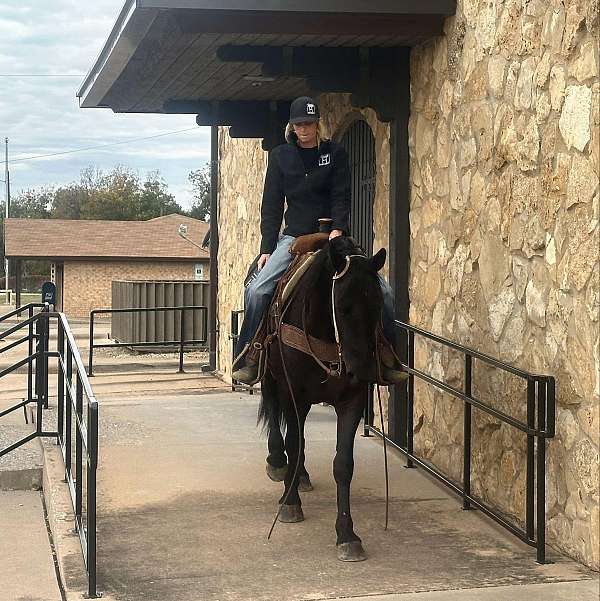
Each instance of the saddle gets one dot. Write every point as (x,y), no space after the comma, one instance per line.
(327,354)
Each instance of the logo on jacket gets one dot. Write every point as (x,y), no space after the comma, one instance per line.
(310,109)
(324,159)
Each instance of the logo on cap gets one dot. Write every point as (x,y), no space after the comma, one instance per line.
(310,109)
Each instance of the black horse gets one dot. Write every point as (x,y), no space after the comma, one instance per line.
(339,300)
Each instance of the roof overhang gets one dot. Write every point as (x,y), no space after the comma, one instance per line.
(186,55)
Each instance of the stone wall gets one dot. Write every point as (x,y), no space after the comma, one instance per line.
(504,145)
(87,284)
(242,170)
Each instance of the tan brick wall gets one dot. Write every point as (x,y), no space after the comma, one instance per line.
(87,284)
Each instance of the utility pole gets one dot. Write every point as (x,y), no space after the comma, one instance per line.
(6,211)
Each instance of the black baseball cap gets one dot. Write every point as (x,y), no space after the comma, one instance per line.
(304,109)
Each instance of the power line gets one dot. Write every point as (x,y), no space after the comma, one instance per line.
(40,75)
(54,154)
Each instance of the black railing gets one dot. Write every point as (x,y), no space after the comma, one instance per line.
(35,361)
(77,416)
(234,337)
(181,343)
(540,402)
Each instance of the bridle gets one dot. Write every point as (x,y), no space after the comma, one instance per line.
(336,277)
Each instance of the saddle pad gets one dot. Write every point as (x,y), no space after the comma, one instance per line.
(296,276)
(294,337)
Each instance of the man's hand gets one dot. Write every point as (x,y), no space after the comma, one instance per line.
(335,234)
(261,261)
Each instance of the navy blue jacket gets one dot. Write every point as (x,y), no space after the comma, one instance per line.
(322,192)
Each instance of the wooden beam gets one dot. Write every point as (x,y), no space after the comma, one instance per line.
(310,23)
(313,6)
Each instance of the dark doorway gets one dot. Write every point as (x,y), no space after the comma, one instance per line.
(359,142)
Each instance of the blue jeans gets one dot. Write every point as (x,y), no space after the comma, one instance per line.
(259,293)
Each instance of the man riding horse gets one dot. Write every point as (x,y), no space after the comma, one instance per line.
(322,341)
(312,175)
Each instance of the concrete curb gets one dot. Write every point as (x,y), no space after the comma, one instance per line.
(69,556)
(25,479)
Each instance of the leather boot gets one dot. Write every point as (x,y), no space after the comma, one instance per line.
(247,374)
(389,368)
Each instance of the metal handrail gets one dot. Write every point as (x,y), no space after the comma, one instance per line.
(70,417)
(31,338)
(541,401)
(20,310)
(71,414)
(181,342)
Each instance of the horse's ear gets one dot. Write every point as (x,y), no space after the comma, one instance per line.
(337,253)
(378,260)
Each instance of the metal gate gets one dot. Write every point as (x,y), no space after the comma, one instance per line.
(359,142)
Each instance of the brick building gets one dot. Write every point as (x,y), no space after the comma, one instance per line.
(88,255)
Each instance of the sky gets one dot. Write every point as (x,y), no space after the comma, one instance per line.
(40,115)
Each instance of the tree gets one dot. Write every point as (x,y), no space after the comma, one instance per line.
(200,180)
(117,195)
(68,201)
(34,204)
(154,199)
(114,197)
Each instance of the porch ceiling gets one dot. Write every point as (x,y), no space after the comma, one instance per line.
(161,53)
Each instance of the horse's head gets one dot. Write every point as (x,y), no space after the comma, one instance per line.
(358,302)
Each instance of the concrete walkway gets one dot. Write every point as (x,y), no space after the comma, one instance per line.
(185,506)
(26,566)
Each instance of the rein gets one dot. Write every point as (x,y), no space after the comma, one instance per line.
(336,277)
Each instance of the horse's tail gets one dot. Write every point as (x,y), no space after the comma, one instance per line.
(269,411)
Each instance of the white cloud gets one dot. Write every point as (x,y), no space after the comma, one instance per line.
(41,115)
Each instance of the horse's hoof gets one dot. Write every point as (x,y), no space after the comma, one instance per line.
(290,514)
(304,483)
(277,474)
(351,551)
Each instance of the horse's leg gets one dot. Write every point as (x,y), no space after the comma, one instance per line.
(304,483)
(276,461)
(349,546)
(291,510)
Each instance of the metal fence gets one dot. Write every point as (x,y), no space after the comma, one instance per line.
(181,342)
(538,427)
(160,325)
(77,415)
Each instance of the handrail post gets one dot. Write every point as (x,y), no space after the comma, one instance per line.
(60,400)
(467,434)
(46,322)
(91,353)
(541,474)
(181,339)
(78,450)
(30,352)
(234,335)
(91,498)
(530,468)
(410,402)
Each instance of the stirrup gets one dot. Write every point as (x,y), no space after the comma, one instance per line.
(246,374)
